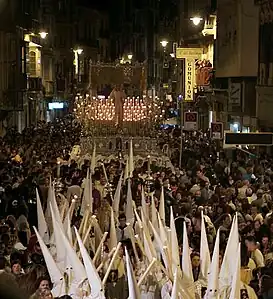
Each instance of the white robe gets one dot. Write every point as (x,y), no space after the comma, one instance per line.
(166,290)
(225,292)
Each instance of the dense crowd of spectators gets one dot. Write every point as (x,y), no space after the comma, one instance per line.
(218,186)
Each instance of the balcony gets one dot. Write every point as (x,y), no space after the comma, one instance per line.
(49,88)
(60,85)
(210,26)
(35,84)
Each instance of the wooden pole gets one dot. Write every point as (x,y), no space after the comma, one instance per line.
(146,272)
(99,247)
(111,264)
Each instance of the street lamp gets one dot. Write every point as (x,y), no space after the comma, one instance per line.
(130,56)
(78,51)
(196,20)
(43,34)
(164,43)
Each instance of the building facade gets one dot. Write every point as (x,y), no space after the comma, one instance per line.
(46,49)
(264,86)
(197,24)
(20,52)
(237,62)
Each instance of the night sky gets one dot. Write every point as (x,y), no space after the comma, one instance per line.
(100,4)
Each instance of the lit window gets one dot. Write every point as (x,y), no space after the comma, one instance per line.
(32,63)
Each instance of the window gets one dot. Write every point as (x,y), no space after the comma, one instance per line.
(46,68)
(32,63)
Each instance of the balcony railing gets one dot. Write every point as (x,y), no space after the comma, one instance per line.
(35,84)
(60,85)
(49,88)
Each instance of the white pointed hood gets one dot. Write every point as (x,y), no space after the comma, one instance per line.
(204,253)
(174,244)
(175,286)
(236,280)
(134,292)
(144,204)
(58,244)
(147,241)
(213,276)
(55,207)
(54,272)
(92,274)
(64,208)
(93,160)
(42,225)
(129,210)
(73,266)
(116,200)
(67,228)
(228,267)
(163,233)
(186,259)
(87,202)
(131,159)
(113,243)
(154,214)
(160,246)
(162,206)
(49,195)
(126,171)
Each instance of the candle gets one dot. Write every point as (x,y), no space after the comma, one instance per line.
(105,174)
(58,169)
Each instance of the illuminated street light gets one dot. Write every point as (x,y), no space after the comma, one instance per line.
(43,34)
(77,62)
(164,43)
(130,56)
(172,55)
(196,20)
(78,51)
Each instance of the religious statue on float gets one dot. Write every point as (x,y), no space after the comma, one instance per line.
(118,95)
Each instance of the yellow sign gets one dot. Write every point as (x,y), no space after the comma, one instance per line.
(186,53)
(189,79)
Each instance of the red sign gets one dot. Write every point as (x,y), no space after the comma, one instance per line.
(217,130)
(190,116)
(190,121)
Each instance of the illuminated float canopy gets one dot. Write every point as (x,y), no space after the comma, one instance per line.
(98,114)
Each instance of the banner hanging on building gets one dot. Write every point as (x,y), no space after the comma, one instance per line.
(190,55)
(189,79)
